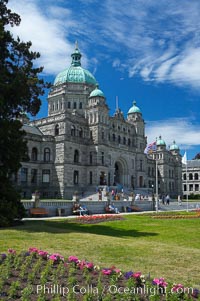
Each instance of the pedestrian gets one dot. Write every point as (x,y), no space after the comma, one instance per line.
(167,199)
(179,200)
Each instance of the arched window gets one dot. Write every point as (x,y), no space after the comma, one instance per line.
(76,156)
(184,176)
(76,176)
(80,105)
(69,105)
(73,130)
(80,132)
(46,154)
(91,177)
(75,105)
(119,139)
(124,140)
(56,130)
(34,154)
(196,176)
(129,141)
(190,176)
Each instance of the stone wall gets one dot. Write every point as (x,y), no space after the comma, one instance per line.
(95,207)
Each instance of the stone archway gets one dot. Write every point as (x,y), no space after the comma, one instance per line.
(120,173)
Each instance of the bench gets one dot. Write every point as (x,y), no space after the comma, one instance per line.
(38,211)
(131,209)
(108,210)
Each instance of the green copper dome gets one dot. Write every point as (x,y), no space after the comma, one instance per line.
(75,73)
(97,92)
(174,146)
(160,142)
(134,109)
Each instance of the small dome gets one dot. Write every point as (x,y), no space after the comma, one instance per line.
(174,146)
(134,109)
(97,92)
(75,73)
(160,141)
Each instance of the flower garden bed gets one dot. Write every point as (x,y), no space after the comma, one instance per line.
(38,275)
(94,219)
(193,214)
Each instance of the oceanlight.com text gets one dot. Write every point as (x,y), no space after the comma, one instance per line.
(109,289)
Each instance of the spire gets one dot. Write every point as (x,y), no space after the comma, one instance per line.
(76,56)
(117,105)
(76,45)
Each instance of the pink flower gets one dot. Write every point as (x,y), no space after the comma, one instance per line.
(56,257)
(117,271)
(178,288)
(43,254)
(89,265)
(137,274)
(160,282)
(73,259)
(33,250)
(106,271)
(53,257)
(11,251)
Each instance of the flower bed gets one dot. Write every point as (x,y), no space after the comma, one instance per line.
(194,214)
(38,275)
(94,219)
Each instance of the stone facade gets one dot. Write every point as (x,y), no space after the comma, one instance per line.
(78,146)
(191,177)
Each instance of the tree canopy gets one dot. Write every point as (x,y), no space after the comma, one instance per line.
(20,91)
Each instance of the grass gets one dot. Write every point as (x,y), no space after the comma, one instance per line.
(165,248)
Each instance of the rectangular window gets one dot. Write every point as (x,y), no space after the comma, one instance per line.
(76,177)
(102,158)
(45,176)
(24,175)
(141,165)
(34,176)
(90,177)
(191,187)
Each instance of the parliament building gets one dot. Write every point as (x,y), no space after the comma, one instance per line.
(79,146)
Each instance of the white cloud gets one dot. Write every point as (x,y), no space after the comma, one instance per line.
(157,40)
(47,32)
(181,130)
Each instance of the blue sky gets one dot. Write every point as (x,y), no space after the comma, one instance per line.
(143,50)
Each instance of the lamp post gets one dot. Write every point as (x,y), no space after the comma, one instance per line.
(156,183)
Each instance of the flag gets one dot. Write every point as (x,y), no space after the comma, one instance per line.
(150,148)
(184,158)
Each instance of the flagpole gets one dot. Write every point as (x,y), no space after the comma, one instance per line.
(186,184)
(184,161)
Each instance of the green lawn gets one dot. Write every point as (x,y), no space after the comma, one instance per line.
(168,248)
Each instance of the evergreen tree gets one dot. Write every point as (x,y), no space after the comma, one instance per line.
(20,89)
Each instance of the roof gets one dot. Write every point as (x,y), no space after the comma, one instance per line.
(75,73)
(160,141)
(97,92)
(192,164)
(134,109)
(174,146)
(31,130)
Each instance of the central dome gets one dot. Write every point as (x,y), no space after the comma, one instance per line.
(75,73)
